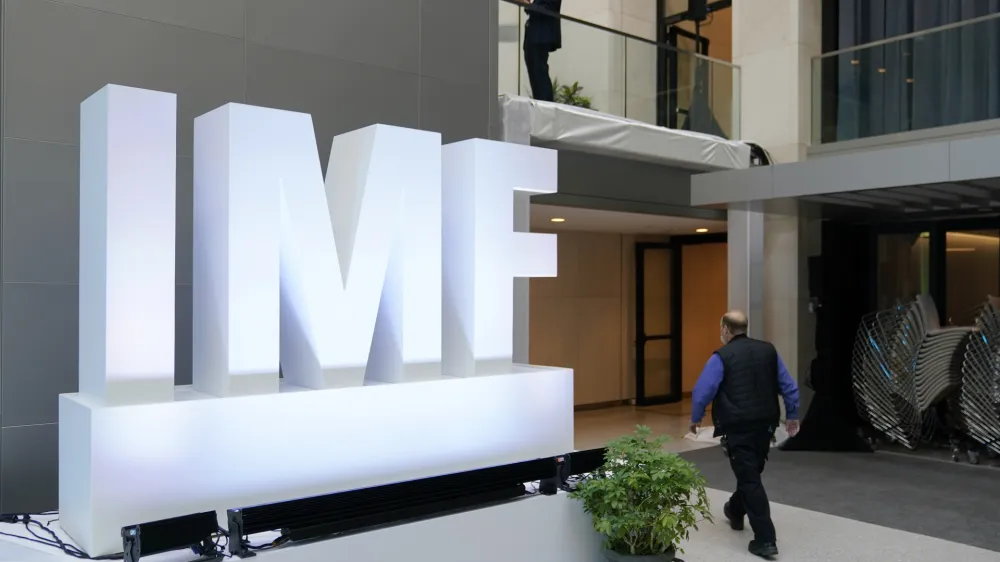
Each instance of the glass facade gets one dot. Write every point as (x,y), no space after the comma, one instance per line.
(903,268)
(972,267)
(902,65)
(959,267)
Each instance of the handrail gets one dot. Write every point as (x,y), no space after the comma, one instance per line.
(911,35)
(593,25)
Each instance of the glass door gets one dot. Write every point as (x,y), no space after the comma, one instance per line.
(957,262)
(903,270)
(656,373)
(681,75)
(972,273)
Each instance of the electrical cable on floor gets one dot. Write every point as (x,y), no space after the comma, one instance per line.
(273,544)
(26,519)
(75,552)
(220,549)
(57,542)
(52,540)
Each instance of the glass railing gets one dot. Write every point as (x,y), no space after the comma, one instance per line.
(626,75)
(944,76)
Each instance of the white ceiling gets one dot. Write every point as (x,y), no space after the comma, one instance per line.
(591,220)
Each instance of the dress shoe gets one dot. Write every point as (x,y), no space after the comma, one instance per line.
(763,549)
(734,523)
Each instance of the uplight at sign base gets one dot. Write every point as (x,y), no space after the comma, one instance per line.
(396,266)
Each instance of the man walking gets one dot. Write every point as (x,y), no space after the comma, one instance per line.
(542,36)
(742,381)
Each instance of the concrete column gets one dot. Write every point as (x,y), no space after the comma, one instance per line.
(773,43)
(746,266)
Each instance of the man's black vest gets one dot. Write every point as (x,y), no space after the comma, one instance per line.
(747,399)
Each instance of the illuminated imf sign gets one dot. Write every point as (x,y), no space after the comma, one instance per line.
(396,266)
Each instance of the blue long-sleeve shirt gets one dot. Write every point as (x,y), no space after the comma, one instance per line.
(711,377)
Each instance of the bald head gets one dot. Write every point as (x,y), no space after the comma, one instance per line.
(734,323)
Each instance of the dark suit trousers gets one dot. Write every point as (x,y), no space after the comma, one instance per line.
(536,59)
(747,456)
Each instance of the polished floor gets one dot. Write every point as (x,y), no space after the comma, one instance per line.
(852,520)
(594,428)
(946,500)
(811,536)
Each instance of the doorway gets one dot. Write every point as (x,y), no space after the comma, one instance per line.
(659,315)
(657,365)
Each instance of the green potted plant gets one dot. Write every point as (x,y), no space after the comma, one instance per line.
(570,94)
(644,501)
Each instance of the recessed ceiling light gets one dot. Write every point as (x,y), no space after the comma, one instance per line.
(701,230)
(855,61)
(558,219)
(881,71)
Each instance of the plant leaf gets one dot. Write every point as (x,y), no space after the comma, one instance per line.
(643,500)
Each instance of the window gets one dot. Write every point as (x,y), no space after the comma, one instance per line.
(903,267)
(972,262)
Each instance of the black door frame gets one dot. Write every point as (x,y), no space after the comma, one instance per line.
(667,57)
(673,76)
(937,233)
(668,79)
(675,245)
(673,395)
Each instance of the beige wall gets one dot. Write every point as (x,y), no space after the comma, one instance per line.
(577,319)
(585,318)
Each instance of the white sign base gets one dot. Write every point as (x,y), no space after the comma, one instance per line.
(498,533)
(124,465)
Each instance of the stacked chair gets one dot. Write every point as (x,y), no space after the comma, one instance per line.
(905,364)
(979,401)
(876,387)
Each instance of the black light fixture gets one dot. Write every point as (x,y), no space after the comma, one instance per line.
(578,464)
(193,532)
(698,10)
(356,510)
(585,462)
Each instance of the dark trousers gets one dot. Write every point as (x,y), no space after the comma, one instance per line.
(536,59)
(747,456)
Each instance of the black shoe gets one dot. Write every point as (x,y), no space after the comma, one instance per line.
(763,549)
(734,523)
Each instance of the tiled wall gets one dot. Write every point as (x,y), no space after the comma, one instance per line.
(428,64)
